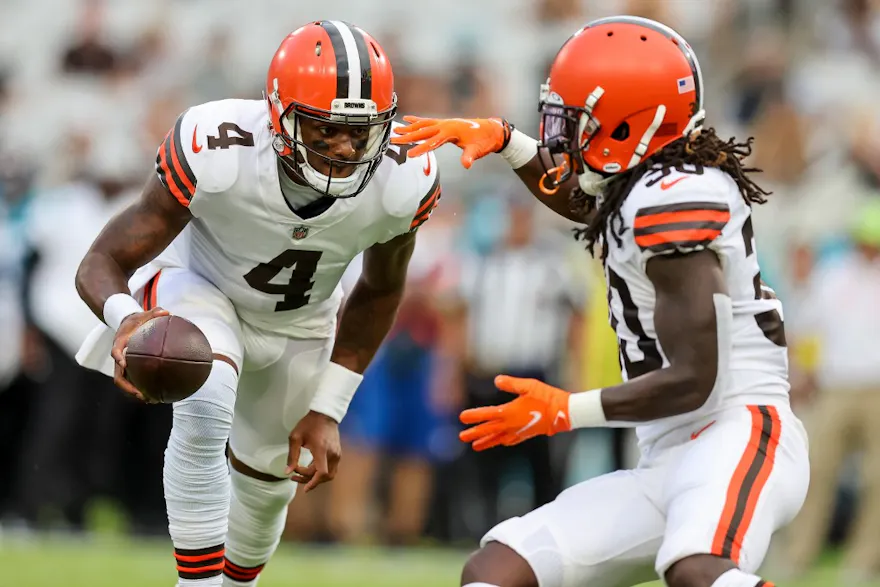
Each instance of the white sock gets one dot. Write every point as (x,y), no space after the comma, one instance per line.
(737,578)
(257,514)
(196,478)
(479,585)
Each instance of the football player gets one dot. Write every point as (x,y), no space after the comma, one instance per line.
(254,212)
(702,348)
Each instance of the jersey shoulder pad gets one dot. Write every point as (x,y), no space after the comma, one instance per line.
(412,189)
(678,211)
(196,152)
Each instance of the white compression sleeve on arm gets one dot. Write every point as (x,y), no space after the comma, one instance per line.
(520,149)
(118,307)
(585,410)
(336,387)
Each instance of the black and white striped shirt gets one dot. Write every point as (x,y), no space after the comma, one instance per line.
(520,303)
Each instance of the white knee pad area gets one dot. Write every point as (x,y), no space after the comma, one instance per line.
(195,474)
(256,518)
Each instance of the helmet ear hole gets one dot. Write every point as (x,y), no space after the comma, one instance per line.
(621,133)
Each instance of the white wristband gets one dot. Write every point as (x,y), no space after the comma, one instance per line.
(585,409)
(520,149)
(335,389)
(118,307)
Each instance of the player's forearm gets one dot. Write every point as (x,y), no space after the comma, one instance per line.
(366,320)
(130,240)
(523,156)
(660,394)
(106,268)
(531,174)
(692,317)
(99,276)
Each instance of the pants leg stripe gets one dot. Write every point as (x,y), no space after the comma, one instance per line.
(747,483)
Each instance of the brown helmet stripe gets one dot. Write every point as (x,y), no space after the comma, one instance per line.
(341,55)
(365,69)
(354,77)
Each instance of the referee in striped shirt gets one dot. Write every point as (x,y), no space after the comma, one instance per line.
(521,310)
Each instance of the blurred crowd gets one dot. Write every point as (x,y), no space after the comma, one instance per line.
(88,88)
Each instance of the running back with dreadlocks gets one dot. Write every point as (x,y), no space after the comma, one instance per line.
(701,148)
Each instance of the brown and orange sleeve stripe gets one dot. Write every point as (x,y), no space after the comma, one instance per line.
(200,563)
(748,481)
(686,225)
(172,167)
(427,205)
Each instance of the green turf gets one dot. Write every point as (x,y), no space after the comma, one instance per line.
(111,562)
(115,562)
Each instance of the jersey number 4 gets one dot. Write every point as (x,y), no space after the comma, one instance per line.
(297,290)
(224,140)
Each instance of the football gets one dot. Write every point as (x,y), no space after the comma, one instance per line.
(168,359)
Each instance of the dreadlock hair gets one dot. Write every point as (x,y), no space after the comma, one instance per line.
(701,148)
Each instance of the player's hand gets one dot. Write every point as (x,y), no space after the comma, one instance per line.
(120,346)
(540,409)
(477,137)
(319,434)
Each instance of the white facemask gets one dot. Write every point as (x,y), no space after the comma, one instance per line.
(337,186)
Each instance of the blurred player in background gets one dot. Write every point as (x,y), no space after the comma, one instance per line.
(701,341)
(254,212)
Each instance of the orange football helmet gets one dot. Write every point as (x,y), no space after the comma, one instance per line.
(620,89)
(332,71)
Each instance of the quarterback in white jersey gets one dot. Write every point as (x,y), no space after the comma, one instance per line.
(246,228)
(701,340)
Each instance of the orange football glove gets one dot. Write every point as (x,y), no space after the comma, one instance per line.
(539,409)
(477,137)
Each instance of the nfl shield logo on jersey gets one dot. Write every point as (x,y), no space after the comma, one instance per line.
(300,232)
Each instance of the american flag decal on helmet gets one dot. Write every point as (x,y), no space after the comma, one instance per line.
(686,84)
(354,74)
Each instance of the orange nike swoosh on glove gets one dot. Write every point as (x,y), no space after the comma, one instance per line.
(540,409)
(477,137)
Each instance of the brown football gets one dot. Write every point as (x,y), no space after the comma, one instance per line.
(168,359)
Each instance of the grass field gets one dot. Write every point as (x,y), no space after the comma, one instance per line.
(103,562)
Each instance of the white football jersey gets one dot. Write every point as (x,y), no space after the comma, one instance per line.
(281,270)
(685,212)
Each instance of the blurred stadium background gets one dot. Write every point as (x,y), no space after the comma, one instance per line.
(88,89)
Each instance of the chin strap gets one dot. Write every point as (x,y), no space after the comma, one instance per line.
(558,171)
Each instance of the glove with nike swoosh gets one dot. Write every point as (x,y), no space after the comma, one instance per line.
(477,137)
(540,409)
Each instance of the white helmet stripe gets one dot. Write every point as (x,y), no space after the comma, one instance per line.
(353,59)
